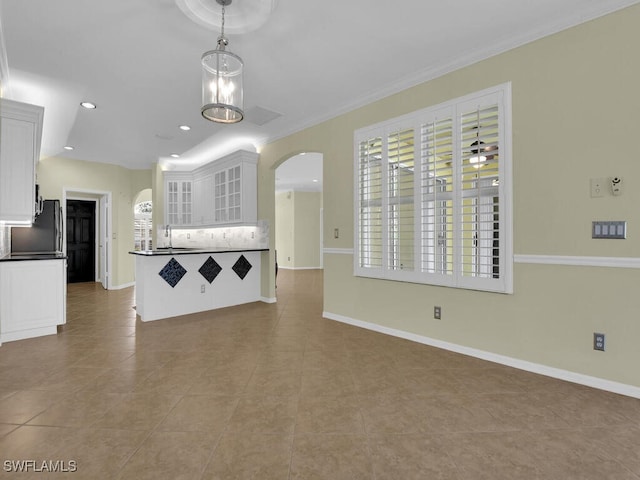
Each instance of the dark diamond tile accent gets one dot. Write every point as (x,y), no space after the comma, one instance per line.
(172,272)
(242,267)
(210,269)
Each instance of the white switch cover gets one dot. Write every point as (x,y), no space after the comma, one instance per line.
(598,186)
(609,229)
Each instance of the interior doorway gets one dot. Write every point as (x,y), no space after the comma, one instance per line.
(102,227)
(80,233)
(298,212)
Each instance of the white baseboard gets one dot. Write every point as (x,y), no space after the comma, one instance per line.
(268,299)
(579,378)
(29,333)
(298,268)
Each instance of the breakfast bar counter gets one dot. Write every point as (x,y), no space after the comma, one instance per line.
(178,281)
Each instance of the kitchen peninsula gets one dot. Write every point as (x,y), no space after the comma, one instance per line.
(208,253)
(178,281)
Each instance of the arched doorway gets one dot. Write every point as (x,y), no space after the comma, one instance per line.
(142,221)
(299,212)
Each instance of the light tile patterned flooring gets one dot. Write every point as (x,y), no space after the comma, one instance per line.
(277,392)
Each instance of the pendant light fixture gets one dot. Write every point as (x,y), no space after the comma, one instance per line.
(222,96)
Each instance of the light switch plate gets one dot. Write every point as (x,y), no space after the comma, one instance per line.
(609,229)
(598,187)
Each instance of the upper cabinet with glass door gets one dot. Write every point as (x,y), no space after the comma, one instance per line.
(178,192)
(235,198)
(219,193)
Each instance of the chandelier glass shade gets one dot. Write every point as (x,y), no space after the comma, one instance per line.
(222,92)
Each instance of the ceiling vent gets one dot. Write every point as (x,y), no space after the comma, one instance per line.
(260,116)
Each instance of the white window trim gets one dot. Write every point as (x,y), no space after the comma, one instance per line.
(503,284)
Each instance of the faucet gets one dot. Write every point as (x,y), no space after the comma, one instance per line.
(168,233)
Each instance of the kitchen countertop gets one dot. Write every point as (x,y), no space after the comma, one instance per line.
(193,251)
(17,257)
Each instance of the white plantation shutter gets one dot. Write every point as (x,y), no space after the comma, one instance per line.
(481,260)
(400,195)
(369,203)
(451,223)
(437,181)
(142,232)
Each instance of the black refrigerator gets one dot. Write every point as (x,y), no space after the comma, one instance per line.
(45,236)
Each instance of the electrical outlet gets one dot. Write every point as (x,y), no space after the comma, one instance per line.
(202,288)
(336,233)
(598,341)
(437,313)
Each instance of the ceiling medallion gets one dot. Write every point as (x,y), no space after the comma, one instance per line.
(247,15)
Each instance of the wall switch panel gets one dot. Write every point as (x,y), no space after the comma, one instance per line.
(615,229)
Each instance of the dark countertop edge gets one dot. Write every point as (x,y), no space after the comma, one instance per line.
(164,252)
(18,257)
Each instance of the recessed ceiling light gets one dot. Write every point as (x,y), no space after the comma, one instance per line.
(186,128)
(175,155)
(68,147)
(315,180)
(88,105)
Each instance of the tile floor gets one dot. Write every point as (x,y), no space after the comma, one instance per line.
(277,392)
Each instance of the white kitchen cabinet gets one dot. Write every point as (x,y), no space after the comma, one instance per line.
(202,198)
(20,137)
(223,192)
(235,189)
(178,188)
(20,283)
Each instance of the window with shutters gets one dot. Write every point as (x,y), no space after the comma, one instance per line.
(433,195)
(143,226)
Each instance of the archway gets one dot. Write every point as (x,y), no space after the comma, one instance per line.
(298,212)
(143,221)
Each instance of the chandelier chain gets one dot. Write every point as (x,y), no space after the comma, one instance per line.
(222,29)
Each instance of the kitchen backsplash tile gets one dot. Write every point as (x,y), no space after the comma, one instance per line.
(254,236)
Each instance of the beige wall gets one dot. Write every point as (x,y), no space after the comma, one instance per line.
(58,174)
(297,223)
(145,195)
(284,223)
(4,231)
(157,181)
(307,207)
(575,108)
